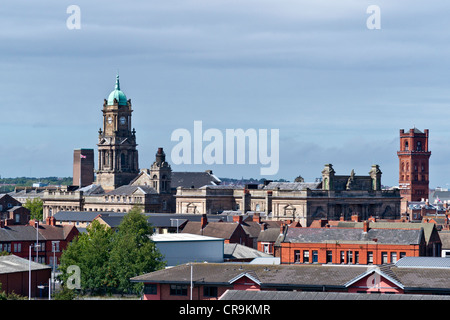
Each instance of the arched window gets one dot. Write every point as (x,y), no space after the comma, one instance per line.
(419,146)
(406,146)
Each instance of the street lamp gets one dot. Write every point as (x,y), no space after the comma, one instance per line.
(29,270)
(54,244)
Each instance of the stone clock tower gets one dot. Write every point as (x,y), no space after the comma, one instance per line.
(117,154)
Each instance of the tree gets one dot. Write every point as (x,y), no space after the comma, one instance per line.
(299,179)
(133,253)
(90,251)
(36,208)
(108,259)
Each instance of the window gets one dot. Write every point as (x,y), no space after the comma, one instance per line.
(178,290)
(393,257)
(306,256)
(315,256)
(266,248)
(384,258)
(296,256)
(349,257)
(210,292)
(342,257)
(329,256)
(150,288)
(402,254)
(369,257)
(257,208)
(17,217)
(357,257)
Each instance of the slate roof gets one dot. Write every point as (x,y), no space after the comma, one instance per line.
(129,190)
(312,276)
(193,179)
(213,229)
(12,263)
(268,275)
(269,235)
(292,185)
(19,233)
(55,232)
(296,295)
(427,227)
(238,251)
(423,262)
(343,235)
(76,215)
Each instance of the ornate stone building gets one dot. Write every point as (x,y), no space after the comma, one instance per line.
(334,197)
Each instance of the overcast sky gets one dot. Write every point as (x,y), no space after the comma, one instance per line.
(337,91)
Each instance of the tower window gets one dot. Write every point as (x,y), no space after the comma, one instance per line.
(406,146)
(419,146)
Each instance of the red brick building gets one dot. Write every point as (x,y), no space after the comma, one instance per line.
(350,245)
(17,239)
(14,276)
(413,166)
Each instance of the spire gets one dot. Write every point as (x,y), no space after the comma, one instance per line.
(117,87)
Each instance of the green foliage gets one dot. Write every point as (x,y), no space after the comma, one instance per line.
(108,259)
(64,294)
(36,208)
(10,296)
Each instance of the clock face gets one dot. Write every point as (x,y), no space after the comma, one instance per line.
(109,120)
(123,120)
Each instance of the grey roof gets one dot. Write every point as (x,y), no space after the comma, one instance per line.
(269,235)
(19,233)
(238,251)
(193,179)
(76,215)
(342,235)
(129,190)
(294,295)
(12,263)
(292,185)
(93,189)
(423,262)
(428,228)
(269,275)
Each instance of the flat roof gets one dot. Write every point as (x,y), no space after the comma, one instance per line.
(167,237)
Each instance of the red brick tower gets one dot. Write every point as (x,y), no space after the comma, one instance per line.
(413,165)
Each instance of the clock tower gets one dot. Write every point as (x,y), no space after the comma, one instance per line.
(117,154)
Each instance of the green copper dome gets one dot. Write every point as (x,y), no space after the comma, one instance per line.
(117,94)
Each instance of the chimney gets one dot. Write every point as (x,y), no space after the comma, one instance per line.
(237,218)
(257,217)
(204,221)
(366,226)
(342,218)
(51,221)
(355,217)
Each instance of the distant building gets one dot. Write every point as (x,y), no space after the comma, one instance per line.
(413,166)
(83,167)
(332,197)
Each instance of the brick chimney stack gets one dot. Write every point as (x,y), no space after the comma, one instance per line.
(366,226)
(204,221)
(237,218)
